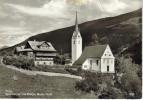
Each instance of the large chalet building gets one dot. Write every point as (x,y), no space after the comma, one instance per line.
(42,52)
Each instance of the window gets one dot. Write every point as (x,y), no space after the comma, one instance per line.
(73,42)
(111,61)
(44,63)
(97,61)
(37,63)
(79,42)
(90,62)
(103,60)
(85,66)
(105,54)
(50,63)
(107,68)
(107,61)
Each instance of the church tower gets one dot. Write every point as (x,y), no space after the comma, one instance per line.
(76,42)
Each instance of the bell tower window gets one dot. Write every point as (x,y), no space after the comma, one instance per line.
(73,42)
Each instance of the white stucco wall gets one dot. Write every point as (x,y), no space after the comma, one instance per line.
(76,43)
(88,66)
(107,59)
(107,62)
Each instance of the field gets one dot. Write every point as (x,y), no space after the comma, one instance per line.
(15,84)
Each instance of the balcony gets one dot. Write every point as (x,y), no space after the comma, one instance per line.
(46,54)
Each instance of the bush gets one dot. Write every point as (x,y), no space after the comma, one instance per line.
(19,61)
(111,93)
(75,70)
(132,84)
(88,84)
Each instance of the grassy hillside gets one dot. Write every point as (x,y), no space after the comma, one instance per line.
(55,87)
(119,32)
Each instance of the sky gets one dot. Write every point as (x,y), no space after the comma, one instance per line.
(20,19)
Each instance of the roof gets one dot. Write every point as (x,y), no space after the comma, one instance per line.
(37,46)
(76,31)
(21,49)
(91,52)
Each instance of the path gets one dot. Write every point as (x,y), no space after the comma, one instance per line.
(28,72)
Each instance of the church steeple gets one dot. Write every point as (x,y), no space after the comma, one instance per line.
(76,23)
(76,42)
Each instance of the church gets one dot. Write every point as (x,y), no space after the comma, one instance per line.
(97,58)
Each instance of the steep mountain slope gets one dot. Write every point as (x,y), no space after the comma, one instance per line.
(119,32)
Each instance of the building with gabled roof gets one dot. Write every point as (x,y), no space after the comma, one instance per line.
(42,52)
(98,58)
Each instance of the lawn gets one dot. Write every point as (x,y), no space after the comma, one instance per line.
(55,69)
(12,82)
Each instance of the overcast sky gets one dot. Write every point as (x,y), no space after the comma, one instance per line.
(20,19)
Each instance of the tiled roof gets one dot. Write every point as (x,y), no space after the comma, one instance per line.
(91,52)
(37,46)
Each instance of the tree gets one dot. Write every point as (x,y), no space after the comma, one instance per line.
(89,83)
(130,82)
(95,39)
